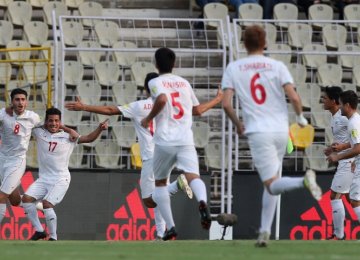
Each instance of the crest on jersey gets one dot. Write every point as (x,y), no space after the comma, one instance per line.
(354,133)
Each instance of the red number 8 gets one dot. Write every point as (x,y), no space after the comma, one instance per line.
(16,129)
(257,87)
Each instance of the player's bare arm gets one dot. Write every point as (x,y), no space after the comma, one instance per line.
(73,134)
(159,104)
(296,103)
(104,110)
(203,107)
(230,112)
(94,134)
(338,147)
(335,157)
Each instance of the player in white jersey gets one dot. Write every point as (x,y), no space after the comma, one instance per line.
(343,176)
(175,104)
(54,150)
(348,106)
(15,132)
(136,111)
(262,84)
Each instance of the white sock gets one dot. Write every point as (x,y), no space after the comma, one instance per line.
(267,211)
(32,215)
(286,184)
(159,223)
(2,211)
(51,222)
(357,211)
(199,189)
(338,213)
(162,199)
(173,188)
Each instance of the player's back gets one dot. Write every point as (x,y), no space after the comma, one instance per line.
(258,82)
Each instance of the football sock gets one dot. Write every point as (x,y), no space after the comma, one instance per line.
(162,199)
(32,215)
(159,223)
(51,222)
(199,189)
(338,213)
(283,184)
(267,211)
(2,211)
(173,188)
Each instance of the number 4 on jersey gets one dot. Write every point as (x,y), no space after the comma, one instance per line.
(257,90)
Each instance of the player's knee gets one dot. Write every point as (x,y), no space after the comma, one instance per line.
(47,204)
(149,203)
(27,199)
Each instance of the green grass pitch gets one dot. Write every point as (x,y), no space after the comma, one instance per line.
(185,249)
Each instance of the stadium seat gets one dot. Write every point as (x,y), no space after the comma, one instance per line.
(36,33)
(6,32)
(319,117)
(37,106)
(113,120)
(309,93)
(352,13)
(284,52)
(356,75)
(90,9)
(298,72)
(18,55)
(124,133)
(334,35)
(124,92)
(250,11)
(215,11)
(77,156)
(299,34)
(19,13)
(44,53)
(71,118)
(315,159)
(5,73)
(213,155)
(348,86)
(320,12)
(86,127)
(125,58)
(329,74)
(74,4)
(201,132)
(89,91)
(135,154)
(5,3)
(139,70)
(89,57)
(285,11)
(107,32)
(36,72)
(349,60)
(107,154)
(31,155)
(60,9)
(270,30)
(107,72)
(37,3)
(73,72)
(73,33)
(314,60)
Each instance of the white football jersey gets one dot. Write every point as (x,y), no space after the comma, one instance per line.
(54,152)
(16,132)
(354,133)
(339,128)
(173,123)
(258,82)
(137,111)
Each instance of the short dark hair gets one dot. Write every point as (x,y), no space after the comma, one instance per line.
(18,91)
(333,93)
(165,60)
(349,97)
(149,77)
(254,38)
(52,111)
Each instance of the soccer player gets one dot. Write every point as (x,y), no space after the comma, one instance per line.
(348,106)
(54,150)
(262,84)
(175,104)
(15,132)
(136,111)
(343,176)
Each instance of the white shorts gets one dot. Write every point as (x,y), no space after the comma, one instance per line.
(147,181)
(343,177)
(267,151)
(166,157)
(53,192)
(11,171)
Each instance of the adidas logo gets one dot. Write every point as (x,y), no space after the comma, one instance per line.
(133,220)
(323,222)
(15,225)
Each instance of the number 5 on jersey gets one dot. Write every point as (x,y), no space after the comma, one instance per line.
(176,104)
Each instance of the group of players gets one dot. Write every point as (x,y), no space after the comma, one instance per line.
(261,84)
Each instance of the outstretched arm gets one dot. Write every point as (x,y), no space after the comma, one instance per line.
(73,134)
(94,134)
(230,112)
(203,107)
(159,104)
(104,110)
